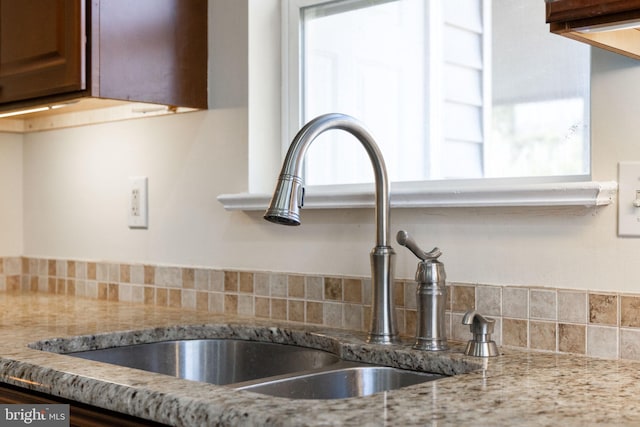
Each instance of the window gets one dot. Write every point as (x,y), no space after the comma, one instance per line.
(451,89)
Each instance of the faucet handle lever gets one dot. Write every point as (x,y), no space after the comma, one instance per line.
(404,239)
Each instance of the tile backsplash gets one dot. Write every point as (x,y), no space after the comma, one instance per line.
(598,324)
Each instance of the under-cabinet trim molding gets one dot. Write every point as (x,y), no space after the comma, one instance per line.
(422,195)
(87,112)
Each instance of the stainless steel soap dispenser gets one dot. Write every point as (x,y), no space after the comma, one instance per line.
(431,296)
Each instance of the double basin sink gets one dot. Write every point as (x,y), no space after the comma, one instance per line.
(274,369)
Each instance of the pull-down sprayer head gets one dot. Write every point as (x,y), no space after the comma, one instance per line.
(287,201)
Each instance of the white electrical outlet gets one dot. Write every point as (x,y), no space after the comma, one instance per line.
(629,199)
(138,202)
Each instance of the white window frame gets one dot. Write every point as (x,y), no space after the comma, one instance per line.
(513,192)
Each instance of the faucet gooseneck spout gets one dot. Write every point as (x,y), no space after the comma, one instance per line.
(288,199)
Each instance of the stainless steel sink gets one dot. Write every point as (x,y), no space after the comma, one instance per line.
(215,361)
(341,383)
(273,369)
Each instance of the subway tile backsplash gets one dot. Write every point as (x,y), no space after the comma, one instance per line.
(598,324)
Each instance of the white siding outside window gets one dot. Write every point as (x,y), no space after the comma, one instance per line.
(384,64)
(421,75)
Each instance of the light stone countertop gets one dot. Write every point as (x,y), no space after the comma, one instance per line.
(517,388)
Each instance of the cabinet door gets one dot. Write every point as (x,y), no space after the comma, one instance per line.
(41,48)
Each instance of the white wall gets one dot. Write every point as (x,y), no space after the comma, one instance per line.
(75,183)
(76,186)
(10,194)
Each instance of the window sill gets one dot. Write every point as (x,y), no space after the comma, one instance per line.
(449,195)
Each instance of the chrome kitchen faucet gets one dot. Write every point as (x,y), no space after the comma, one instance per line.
(288,199)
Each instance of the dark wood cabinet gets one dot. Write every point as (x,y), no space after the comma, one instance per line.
(608,24)
(152,51)
(42,62)
(81,415)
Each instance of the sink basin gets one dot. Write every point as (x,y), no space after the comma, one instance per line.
(341,383)
(215,361)
(274,369)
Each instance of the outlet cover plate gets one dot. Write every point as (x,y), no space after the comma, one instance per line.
(138,202)
(628,198)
